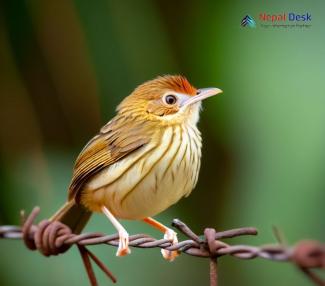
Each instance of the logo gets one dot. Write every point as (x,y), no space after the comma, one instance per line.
(248,21)
(280,20)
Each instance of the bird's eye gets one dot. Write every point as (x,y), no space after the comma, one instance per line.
(170,99)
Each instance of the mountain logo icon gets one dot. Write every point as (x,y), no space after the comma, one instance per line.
(248,21)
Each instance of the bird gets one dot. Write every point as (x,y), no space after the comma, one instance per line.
(141,162)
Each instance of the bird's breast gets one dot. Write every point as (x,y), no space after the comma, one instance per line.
(151,179)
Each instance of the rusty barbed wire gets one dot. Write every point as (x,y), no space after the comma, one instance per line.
(54,238)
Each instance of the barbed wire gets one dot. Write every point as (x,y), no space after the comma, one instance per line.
(53,238)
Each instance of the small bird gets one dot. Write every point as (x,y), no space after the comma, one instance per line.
(142,161)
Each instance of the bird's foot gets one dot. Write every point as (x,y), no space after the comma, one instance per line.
(123,246)
(172,236)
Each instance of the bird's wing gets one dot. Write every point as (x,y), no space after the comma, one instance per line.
(117,139)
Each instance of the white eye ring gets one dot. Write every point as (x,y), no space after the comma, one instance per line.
(170,99)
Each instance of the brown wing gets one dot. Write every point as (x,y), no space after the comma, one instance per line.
(117,139)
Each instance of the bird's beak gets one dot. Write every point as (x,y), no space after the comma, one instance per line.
(202,94)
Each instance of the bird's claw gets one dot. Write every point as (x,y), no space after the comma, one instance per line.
(172,236)
(123,246)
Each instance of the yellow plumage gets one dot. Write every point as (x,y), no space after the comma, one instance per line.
(150,179)
(142,161)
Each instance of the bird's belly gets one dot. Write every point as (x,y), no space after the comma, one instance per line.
(152,180)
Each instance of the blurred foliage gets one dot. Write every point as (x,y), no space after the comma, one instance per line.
(65,65)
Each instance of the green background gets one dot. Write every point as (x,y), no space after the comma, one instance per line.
(65,65)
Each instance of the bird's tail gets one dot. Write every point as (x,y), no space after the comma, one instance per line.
(73,215)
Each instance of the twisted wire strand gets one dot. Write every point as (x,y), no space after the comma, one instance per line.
(53,238)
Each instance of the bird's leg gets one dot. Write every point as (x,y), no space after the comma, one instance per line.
(123,247)
(168,234)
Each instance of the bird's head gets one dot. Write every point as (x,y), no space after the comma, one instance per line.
(168,99)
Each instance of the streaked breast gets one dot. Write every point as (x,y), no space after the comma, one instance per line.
(151,179)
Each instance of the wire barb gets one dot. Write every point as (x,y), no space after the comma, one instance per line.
(54,238)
